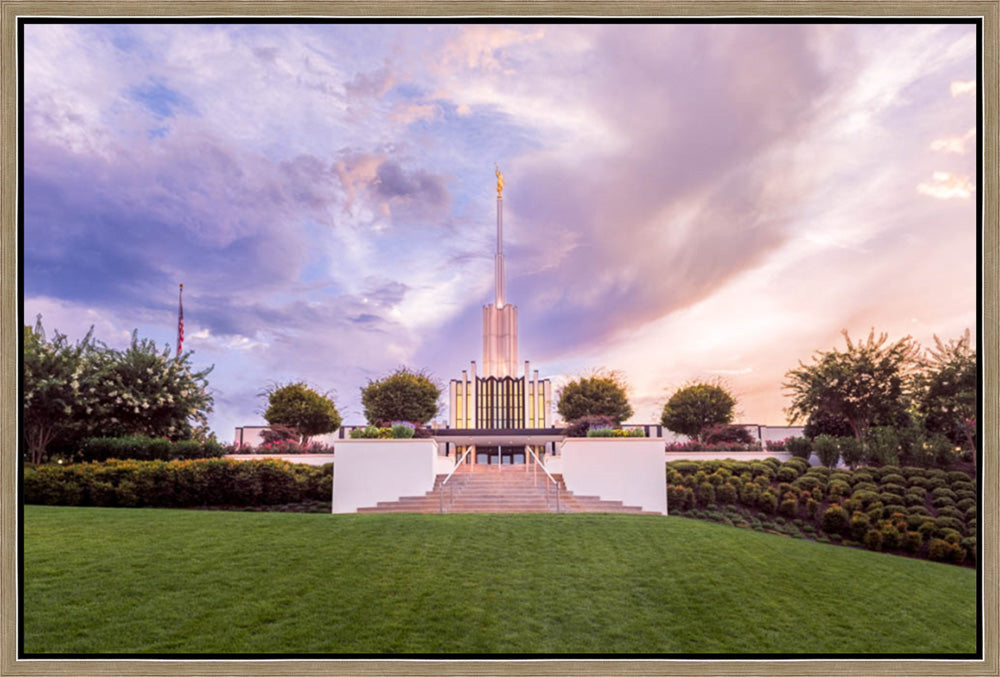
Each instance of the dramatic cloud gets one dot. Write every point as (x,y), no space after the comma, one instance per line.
(682,200)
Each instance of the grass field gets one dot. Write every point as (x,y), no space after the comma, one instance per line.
(184,581)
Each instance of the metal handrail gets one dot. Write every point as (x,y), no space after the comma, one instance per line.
(546,471)
(457,465)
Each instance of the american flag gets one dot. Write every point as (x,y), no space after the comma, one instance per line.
(180,320)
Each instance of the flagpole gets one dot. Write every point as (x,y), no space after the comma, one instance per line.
(180,319)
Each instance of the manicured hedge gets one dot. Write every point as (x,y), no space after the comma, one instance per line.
(142,448)
(174,484)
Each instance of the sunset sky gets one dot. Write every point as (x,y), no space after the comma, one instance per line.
(682,201)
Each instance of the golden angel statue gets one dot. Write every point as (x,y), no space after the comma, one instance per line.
(499,181)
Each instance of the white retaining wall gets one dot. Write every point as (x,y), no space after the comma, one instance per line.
(629,470)
(734,455)
(369,471)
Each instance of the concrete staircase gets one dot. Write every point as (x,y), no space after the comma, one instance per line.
(500,489)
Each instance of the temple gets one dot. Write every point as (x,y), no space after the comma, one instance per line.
(500,397)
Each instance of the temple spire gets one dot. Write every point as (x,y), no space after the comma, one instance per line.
(500,280)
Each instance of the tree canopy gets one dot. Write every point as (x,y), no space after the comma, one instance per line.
(404,395)
(298,407)
(74,391)
(864,385)
(602,394)
(946,390)
(697,406)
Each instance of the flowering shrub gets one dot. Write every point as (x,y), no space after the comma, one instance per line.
(608,431)
(775,445)
(396,430)
(719,446)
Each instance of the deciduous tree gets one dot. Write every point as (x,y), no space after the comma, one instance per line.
(946,391)
(298,407)
(697,406)
(864,385)
(602,394)
(403,395)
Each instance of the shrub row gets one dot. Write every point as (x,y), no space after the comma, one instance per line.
(878,508)
(175,484)
(144,448)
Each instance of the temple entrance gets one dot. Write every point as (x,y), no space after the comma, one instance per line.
(500,456)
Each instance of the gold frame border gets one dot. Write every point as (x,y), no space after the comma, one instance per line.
(989,349)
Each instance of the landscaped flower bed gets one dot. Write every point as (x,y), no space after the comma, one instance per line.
(914,511)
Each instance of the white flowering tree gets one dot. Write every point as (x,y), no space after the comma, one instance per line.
(87,389)
(865,385)
(149,392)
(60,382)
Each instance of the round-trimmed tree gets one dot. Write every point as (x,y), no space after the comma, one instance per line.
(404,395)
(603,394)
(298,407)
(697,406)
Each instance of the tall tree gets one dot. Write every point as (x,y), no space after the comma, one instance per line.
(298,407)
(864,385)
(946,391)
(60,380)
(696,407)
(605,393)
(404,395)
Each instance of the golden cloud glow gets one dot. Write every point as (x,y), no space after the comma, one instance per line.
(959,87)
(945,186)
(954,144)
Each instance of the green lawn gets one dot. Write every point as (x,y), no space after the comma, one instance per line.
(118,580)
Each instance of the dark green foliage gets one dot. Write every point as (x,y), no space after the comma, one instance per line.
(866,486)
(726,493)
(787,473)
(768,502)
(403,395)
(862,386)
(893,478)
(852,451)
(298,407)
(897,489)
(799,447)
(706,493)
(859,525)
(951,512)
(942,502)
(873,539)
(789,507)
(697,406)
(947,389)
(178,483)
(949,523)
(958,477)
(838,488)
(827,450)
(142,448)
(940,550)
(881,446)
(722,433)
(942,450)
(911,471)
(967,505)
(835,520)
(938,492)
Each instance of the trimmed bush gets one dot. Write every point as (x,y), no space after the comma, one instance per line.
(835,520)
(142,448)
(949,523)
(851,450)
(706,493)
(940,550)
(873,539)
(178,483)
(789,507)
(768,502)
(800,447)
(726,493)
(951,512)
(827,450)
(911,542)
(787,473)
(859,526)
